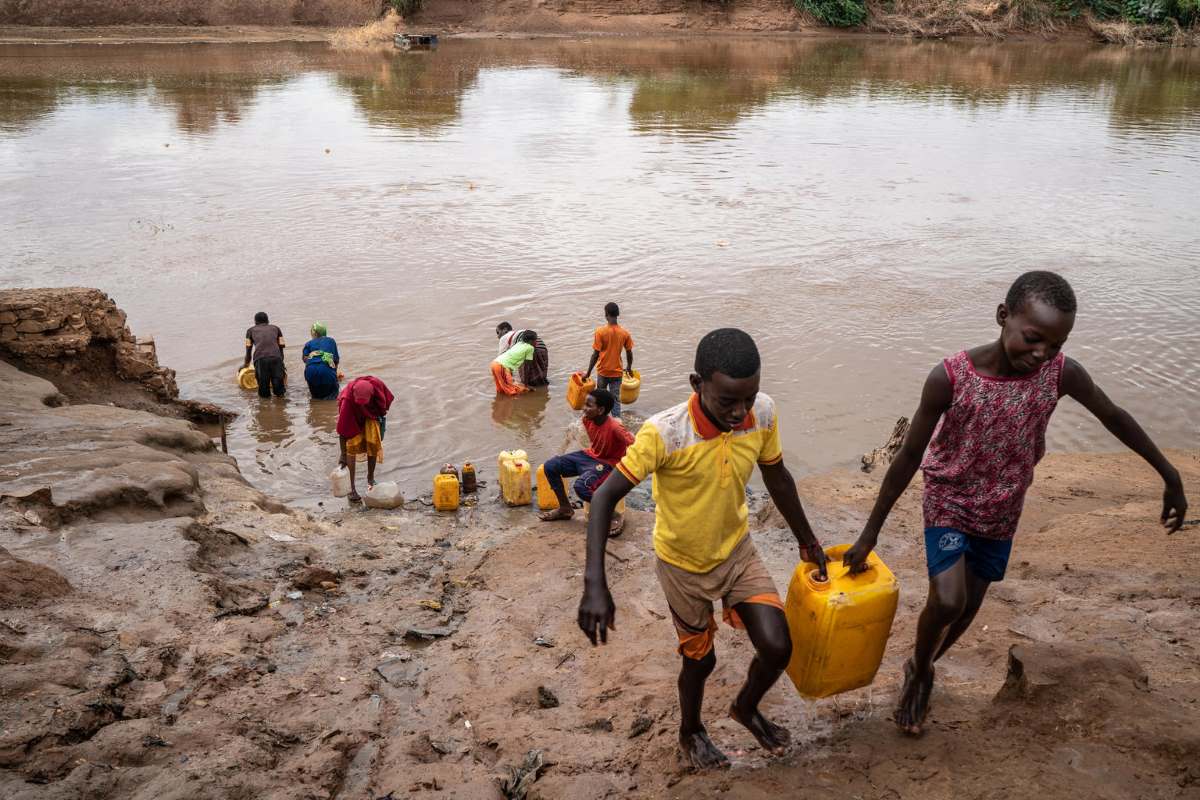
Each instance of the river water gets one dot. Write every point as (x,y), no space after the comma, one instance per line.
(860,206)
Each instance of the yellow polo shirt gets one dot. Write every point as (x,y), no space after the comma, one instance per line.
(700,477)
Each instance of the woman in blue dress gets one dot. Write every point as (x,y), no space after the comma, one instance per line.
(321,364)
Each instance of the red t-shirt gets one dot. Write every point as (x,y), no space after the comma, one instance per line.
(352,416)
(609,440)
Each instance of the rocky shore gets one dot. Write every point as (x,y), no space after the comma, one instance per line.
(168,631)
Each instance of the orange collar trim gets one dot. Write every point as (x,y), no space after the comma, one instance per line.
(705,427)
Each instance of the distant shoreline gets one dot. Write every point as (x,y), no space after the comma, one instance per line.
(267,34)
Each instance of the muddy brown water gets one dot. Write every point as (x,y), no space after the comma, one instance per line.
(859,205)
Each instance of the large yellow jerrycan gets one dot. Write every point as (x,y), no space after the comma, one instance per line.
(445,492)
(839,626)
(515,484)
(577,390)
(631,387)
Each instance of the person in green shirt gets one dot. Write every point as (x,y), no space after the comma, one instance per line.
(510,361)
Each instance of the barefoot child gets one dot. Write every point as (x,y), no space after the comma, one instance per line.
(510,361)
(609,441)
(701,454)
(986,411)
(361,425)
(607,343)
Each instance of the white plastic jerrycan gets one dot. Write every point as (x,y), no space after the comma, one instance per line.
(339,480)
(384,495)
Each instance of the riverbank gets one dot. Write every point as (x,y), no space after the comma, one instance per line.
(166,630)
(921,19)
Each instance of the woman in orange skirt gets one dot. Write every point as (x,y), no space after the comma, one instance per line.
(510,361)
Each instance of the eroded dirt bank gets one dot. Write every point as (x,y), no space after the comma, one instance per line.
(176,21)
(166,631)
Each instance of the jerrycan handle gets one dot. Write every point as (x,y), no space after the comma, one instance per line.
(813,576)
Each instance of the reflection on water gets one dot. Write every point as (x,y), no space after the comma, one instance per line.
(860,206)
(523,415)
(269,422)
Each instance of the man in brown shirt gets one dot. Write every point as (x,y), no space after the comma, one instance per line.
(264,345)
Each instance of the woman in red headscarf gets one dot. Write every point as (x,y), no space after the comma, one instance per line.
(361,423)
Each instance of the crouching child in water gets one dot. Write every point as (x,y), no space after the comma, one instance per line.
(986,411)
(609,441)
(511,360)
(701,454)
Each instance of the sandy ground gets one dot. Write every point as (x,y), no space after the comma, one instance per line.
(166,631)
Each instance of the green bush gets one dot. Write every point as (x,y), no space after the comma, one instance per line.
(838,13)
(406,8)
(1104,9)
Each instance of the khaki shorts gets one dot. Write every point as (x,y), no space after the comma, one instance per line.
(741,578)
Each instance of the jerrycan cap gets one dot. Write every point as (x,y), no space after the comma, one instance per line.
(816,582)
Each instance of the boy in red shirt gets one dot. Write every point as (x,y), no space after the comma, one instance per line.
(609,441)
(607,343)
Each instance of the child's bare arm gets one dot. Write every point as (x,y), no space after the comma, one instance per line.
(782,488)
(1077,383)
(935,399)
(592,364)
(596,610)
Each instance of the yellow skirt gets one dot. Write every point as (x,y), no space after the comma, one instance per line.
(369,442)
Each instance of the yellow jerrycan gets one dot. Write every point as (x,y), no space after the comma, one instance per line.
(631,387)
(577,390)
(247,379)
(515,484)
(546,499)
(445,492)
(839,626)
(510,455)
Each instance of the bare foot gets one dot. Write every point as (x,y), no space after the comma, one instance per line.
(700,753)
(353,497)
(556,514)
(772,737)
(616,526)
(914,700)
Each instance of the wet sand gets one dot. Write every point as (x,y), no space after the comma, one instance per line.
(214,643)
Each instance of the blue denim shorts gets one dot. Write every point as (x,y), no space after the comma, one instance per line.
(987,558)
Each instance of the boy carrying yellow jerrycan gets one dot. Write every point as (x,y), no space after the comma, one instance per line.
(839,626)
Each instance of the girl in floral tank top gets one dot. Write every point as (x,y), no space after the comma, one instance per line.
(983,416)
(981,458)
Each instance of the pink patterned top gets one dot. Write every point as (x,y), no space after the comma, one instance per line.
(983,452)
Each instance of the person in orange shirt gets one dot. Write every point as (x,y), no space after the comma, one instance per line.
(610,339)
